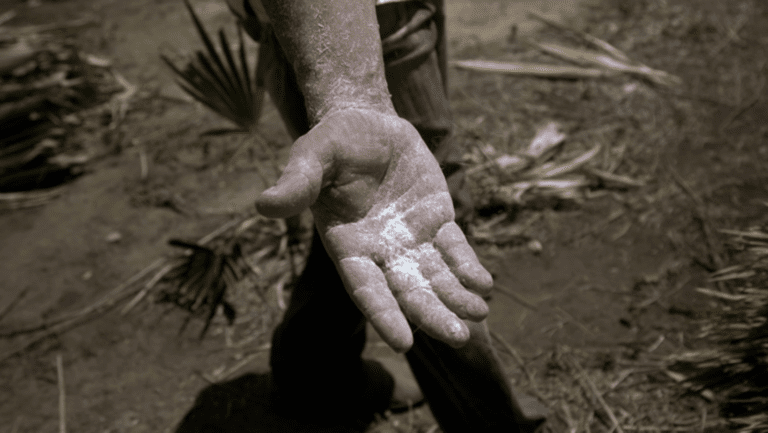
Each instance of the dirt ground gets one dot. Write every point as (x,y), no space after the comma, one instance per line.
(614,278)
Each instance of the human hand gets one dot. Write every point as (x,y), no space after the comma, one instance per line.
(383,211)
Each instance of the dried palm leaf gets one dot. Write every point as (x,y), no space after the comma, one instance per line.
(222,82)
(615,59)
(45,83)
(554,170)
(737,366)
(548,138)
(531,69)
(590,58)
(597,42)
(199,281)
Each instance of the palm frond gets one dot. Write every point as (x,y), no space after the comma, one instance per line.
(222,82)
(198,283)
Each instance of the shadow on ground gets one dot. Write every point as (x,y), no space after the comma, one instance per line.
(245,405)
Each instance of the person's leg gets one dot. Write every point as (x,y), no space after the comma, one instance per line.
(316,367)
(466,388)
(316,349)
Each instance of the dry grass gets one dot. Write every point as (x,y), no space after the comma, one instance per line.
(640,130)
(734,363)
(639,125)
(47,87)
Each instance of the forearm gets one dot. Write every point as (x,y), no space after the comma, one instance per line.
(335,49)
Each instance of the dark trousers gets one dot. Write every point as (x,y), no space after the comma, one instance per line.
(317,370)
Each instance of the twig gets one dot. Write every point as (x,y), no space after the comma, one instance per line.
(544,172)
(27,199)
(573,320)
(516,298)
(597,42)
(69,321)
(7,16)
(279,294)
(651,300)
(606,176)
(622,376)
(491,162)
(655,429)
(36,29)
(216,233)
(622,231)
(656,343)
(659,295)
(13,303)
(565,188)
(147,287)
(568,418)
(121,100)
(246,340)
(57,79)
(591,385)
(489,231)
(755,235)
(224,375)
(65,325)
(714,256)
(722,295)
(71,316)
(516,356)
(201,375)
(742,108)
(62,395)
(486,226)
(588,418)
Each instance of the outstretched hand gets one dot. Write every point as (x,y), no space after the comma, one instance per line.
(383,211)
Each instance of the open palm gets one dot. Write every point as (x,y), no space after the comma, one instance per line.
(383,211)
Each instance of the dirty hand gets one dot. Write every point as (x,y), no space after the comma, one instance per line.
(383,211)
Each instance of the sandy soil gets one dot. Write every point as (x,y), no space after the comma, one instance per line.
(133,373)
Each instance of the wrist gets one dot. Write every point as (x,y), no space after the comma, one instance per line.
(334,47)
(331,93)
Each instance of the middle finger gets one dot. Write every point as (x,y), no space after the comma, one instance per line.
(421,304)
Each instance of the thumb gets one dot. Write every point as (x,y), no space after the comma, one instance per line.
(297,188)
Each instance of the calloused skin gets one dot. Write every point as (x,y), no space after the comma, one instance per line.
(383,211)
(379,199)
